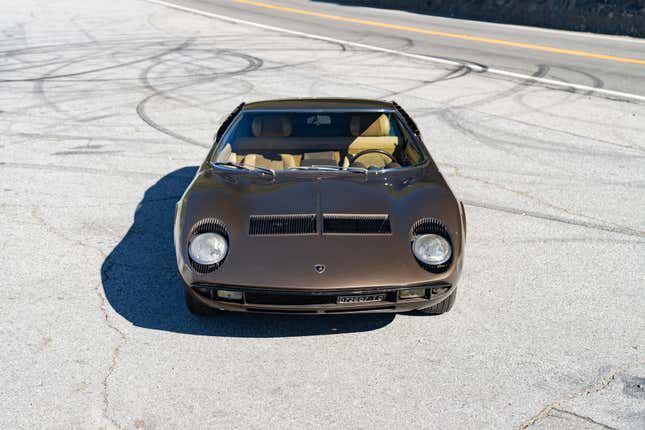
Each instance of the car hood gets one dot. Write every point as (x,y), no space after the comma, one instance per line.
(287,261)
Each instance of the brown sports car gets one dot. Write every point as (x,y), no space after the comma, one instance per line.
(319,206)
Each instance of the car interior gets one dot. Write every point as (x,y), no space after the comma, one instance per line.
(371,140)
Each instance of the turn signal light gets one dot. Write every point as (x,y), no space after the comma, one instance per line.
(229,295)
(411,293)
(440,290)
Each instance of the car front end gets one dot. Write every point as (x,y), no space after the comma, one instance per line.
(327,243)
(319,207)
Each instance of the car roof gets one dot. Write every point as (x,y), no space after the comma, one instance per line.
(319,103)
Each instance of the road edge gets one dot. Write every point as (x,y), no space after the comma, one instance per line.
(477,68)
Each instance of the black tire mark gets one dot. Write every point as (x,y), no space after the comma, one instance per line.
(596,83)
(519,98)
(541,71)
(77,169)
(253,63)
(456,73)
(502,142)
(39,85)
(555,180)
(595,226)
(82,138)
(90,37)
(101,69)
(86,152)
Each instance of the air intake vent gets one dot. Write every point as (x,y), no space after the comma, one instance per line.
(356,224)
(267,225)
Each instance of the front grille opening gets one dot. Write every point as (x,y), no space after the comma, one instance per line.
(268,225)
(258,298)
(432,226)
(207,225)
(280,311)
(362,309)
(296,299)
(356,224)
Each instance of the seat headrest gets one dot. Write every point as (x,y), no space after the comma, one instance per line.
(380,127)
(271,126)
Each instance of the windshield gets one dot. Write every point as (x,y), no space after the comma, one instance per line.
(311,140)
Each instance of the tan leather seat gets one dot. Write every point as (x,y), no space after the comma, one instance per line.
(372,136)
(270,126)
(227,155)
(285,161)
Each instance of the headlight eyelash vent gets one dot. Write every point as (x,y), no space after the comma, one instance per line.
(207,225)
(432,226)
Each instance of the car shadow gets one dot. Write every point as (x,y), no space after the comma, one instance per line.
(141,282)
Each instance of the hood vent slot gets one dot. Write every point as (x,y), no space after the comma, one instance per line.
(356,224)
(271,225)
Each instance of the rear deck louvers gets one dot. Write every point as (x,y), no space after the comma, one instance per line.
(268,225)
(356,224)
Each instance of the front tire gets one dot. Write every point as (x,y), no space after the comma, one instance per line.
(196,306)
(441,307)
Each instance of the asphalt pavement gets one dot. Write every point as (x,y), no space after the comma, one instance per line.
(106,109)
(570,57)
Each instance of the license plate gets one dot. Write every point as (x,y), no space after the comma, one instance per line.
(361,299)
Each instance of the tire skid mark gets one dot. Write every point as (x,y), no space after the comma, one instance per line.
(98,69)
(611,228)
(253,63)
(456,73)
(541,72)
(554,179)
(39,85)
(506,140)
(77,169)
(593,221)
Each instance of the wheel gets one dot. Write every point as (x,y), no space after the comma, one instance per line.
(196,306)
(441,307)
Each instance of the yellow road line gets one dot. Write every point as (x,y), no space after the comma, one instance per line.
(445,34)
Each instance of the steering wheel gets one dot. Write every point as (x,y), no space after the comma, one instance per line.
(352,159)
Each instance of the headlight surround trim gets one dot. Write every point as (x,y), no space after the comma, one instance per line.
(431,226)
(207,225)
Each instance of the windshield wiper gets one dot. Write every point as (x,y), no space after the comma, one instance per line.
(331,168)
(314,167)
(244,167)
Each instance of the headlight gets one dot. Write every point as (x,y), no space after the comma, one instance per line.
(431,249)
(208,248)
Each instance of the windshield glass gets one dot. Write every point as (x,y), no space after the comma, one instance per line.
(302,140)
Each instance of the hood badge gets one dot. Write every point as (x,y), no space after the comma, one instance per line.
(319,268)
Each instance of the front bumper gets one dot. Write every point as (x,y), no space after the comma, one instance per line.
(265,300)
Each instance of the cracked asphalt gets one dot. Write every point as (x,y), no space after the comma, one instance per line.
(106,108)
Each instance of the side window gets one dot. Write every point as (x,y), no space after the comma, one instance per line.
(408,119)
(413,156)
(410,154)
